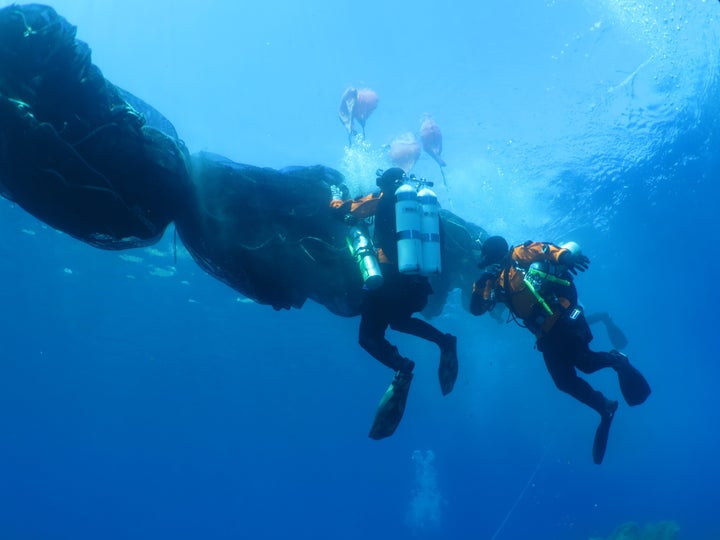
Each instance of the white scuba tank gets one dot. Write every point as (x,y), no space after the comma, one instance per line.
(430,261)
(407,227)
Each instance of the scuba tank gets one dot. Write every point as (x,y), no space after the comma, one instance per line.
(535,278)
(407,227)
(430,262)
(363,251)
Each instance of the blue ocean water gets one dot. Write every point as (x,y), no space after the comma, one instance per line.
(140,398)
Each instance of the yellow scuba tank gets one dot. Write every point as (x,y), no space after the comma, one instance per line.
(363,251)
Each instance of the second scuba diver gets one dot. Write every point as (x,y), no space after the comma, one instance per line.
(534,281)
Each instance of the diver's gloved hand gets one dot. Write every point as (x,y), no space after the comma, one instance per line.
(336,193)
(574,263)
(491,272)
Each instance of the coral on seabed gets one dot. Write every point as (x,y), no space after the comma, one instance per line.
(663,530)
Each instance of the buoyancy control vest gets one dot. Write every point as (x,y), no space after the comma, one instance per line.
(537,294)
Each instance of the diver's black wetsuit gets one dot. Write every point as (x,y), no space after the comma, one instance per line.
(394,303)
(565,348)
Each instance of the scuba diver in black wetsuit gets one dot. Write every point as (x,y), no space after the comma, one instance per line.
(534,281)
(393,303)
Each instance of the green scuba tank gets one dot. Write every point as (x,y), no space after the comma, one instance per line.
(363,251)
(536,276)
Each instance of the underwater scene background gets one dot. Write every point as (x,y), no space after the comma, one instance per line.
(141,398)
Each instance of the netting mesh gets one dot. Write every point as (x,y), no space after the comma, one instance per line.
(101,165)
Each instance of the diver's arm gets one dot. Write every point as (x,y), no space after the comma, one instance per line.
(531,252)
(482,299)
(360,208)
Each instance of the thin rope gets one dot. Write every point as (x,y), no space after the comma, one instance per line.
(521,494)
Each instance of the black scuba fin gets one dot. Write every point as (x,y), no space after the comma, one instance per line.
(448,368)
(633,385)
(617,337)
(602,432)
(391,407)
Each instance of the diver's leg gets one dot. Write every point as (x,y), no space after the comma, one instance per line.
(571,338)
(566,379)
(418,328)
(448,366)
(561,369)
(371,337)
(589,361)
(593,318)
(633,385)
(391,408)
